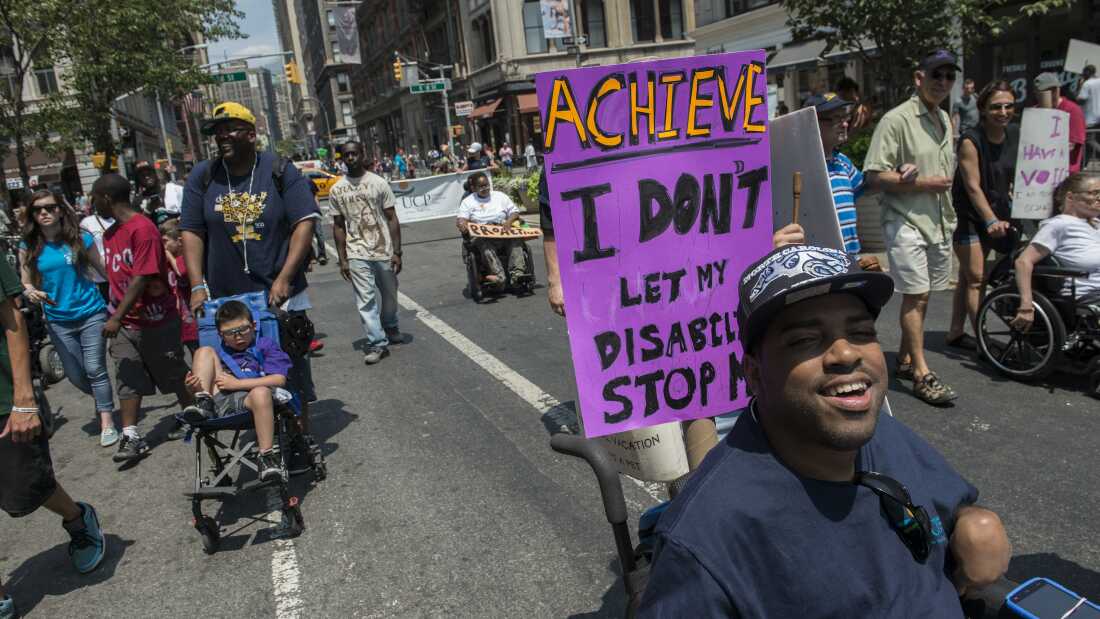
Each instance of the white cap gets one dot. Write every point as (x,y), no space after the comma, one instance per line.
(474,148)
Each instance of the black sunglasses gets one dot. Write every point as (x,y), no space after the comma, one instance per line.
(45,207)
(909,521)
(944,75)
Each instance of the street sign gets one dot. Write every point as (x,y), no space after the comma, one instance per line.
(225,78)
(430,86)
(575,41)
(463,108)
(15,183)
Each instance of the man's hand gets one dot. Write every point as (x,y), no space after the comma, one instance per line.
(23,427)
(198,297)
(980,547)
(870,263)
(112,327)
(998,229)
(227,382)
(908,173)
(280,292)
(557,299)
(345,270)
(194,385)
(790,234)
(395,264)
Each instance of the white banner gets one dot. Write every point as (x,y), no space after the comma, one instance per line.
(796,147)
(556,20)
(433,197)
(1042,162)
(1080,55)
(347,34)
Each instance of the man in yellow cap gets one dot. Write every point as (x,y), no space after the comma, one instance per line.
(247,221)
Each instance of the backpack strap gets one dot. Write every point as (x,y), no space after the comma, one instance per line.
(277,172)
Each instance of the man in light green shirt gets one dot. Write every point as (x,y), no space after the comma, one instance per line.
(917,217)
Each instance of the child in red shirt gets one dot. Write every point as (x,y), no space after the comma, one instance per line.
(177,279)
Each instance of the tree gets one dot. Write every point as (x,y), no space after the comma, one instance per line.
(902,31)
(25,33)
(117,48)
(286,148)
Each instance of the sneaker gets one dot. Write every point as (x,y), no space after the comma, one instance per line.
(375,355)
(176,433)
(130,449)
(7,608)
(271,466)
(316,345)
(88,544)
(107,438)
(199,411)
(395,336)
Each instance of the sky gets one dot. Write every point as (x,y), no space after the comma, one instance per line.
(259,24)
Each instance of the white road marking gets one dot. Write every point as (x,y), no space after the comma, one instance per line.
(285,576)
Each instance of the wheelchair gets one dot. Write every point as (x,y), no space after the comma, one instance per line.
(1064,335)
(476,269)
(214,479)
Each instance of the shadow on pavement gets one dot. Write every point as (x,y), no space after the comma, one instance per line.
(51,573)
(1072,576)
(613,601)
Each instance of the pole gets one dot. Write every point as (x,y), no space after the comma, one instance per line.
(573,22)
(116,135)
(164,137)
(447,115)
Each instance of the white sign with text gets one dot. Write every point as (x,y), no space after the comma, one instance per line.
(1042,162)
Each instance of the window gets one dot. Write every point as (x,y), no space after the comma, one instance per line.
(532,27)
(47,81)
(486,52)
(672,19)
(643,22)
(342,83)
(330,16)
(336,51)
(594,22)
(347,113)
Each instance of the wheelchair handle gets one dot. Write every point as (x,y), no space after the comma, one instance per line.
(607,474)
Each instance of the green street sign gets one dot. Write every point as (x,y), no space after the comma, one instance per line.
(225,78)
(429,86)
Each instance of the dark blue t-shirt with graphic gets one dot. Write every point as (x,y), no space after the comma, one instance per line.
(249,258)
(750,538)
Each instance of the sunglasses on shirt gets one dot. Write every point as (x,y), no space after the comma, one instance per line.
(909,521)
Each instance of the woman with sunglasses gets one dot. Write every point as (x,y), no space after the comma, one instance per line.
(56,256)
(982,195)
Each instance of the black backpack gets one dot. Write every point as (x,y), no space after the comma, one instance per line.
(276,173)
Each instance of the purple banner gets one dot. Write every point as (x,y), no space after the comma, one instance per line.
(661,196)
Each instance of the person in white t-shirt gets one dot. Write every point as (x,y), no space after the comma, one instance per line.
(368,245)
(95,225)
(1088,97)
(1073,236)
(486,206)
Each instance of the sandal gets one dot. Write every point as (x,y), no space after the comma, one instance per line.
(963,342)
(932,390)
(903,371)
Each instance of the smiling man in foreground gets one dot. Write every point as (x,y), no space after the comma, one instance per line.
(815,506)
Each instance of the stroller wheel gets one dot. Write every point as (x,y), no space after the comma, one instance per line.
(208,531)
(320,472)
(52,368)
(293,523)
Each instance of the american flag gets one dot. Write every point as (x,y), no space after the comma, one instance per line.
(192,101)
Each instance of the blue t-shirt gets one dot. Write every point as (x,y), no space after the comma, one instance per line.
(750,538)
(265,243)
(75,296)
(847,184)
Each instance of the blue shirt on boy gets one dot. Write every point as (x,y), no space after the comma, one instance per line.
(750,538)
(75,296)
(847,184)
(274,360)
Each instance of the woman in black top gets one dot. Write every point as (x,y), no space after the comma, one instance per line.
(982,195)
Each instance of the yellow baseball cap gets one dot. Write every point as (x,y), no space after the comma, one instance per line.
(228,110)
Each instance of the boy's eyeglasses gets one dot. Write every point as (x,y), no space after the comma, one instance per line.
(909,521)
(239,331)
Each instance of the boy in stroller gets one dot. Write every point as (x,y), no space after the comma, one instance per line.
(245,372)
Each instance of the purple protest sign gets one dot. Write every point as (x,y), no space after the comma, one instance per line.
(660,194)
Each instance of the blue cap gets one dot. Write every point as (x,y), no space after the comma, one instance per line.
(937,59)
(826,103)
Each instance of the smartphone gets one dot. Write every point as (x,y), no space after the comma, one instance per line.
(1042,598)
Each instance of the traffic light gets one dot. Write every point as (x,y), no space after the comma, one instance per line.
(293,75)
(397,70)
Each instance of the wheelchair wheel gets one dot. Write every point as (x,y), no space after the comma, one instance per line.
(473,278)
(1023,355)
(208,531)
(52,369)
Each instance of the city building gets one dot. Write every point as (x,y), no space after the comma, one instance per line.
(329,72)
(289,20)
(252,87)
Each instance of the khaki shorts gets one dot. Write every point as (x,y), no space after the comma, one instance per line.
(916,265)
(148,359)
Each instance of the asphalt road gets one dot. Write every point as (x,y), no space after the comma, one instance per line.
(443,497)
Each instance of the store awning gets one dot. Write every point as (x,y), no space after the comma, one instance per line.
(485,111)
(528,103)
(798,53)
